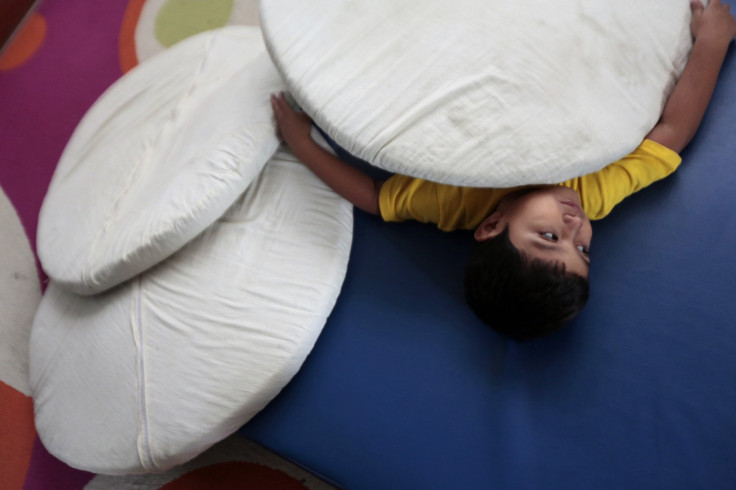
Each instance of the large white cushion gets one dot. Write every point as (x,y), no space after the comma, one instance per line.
(481,92)
(160,155)
(151,373)
(21,296)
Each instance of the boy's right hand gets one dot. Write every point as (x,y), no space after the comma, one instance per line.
(295,128)
(713,23)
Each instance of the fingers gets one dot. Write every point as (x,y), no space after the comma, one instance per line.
(281,106)
(278,112)
(716,5)
(714,21)
(277,103)
(291,124)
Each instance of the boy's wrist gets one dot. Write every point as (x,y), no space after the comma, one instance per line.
(302,146)
(712,41)
(710,51)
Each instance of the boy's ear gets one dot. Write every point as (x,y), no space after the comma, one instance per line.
(490,227)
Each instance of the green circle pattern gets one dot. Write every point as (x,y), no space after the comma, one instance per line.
(179,19)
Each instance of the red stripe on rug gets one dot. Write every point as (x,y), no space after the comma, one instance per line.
(126,41)
(17,434)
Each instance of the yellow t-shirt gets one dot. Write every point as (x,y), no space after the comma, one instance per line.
(452,208)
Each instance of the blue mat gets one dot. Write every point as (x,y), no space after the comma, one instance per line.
(407,389)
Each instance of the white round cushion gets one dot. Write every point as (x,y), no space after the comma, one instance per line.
(19,301)
(486,93)
(149,374)
(160,155)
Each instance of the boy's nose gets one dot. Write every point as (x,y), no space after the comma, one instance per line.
(572,220)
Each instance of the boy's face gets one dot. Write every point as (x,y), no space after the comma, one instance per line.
(547,223)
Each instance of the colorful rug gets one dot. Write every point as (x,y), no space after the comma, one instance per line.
(59,61)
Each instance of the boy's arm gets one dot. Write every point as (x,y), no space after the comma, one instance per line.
(713,29)
(352,184)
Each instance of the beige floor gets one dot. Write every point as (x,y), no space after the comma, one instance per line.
(234,448)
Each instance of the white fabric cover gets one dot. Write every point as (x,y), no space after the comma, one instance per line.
(149,374)
(160,155)
(21,294)
(481,92)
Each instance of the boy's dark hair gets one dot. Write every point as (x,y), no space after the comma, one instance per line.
(517,296)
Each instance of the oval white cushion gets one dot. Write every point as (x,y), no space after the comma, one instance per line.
(151,373)
(160,155)
(481,92)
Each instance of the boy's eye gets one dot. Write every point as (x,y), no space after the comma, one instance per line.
(583,249)
(549,236)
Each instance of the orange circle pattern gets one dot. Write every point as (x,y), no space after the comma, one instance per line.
(25,42)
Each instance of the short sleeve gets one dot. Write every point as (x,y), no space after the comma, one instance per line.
(601,191)
(450,207)
(405,198)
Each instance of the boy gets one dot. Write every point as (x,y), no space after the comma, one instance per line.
(527,275)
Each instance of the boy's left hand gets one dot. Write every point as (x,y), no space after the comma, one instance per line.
(713,23)
(294,127)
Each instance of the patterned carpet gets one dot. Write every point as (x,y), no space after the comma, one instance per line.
(59,61)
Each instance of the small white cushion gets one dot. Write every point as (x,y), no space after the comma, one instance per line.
(481,92)
(151,373)
(160,155)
